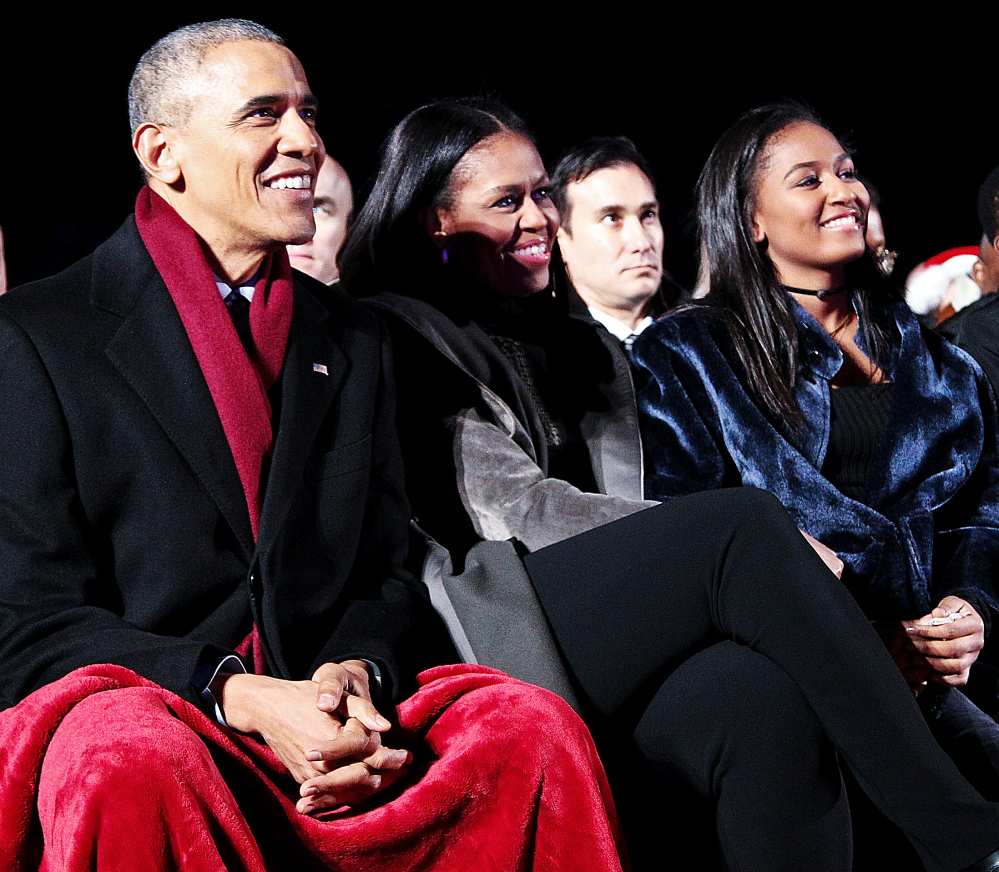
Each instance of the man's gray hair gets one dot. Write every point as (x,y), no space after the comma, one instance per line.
(157,92)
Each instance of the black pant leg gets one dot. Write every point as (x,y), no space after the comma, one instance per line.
(967,734)
(629,601)
(729,733)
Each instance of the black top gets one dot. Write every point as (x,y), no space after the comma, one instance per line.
(858,420)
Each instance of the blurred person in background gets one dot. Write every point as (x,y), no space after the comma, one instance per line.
(332,206)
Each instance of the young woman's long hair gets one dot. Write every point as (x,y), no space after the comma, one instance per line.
(742,278)
(388,246)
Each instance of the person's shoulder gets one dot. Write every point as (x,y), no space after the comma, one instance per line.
(412,311)
(692,328)
(952,356)
(427,339)
(68,299)
(409,317)
(343,313)
(978,323)
(49,296)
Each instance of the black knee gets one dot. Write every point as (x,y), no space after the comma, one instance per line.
(756,512)
(729,712)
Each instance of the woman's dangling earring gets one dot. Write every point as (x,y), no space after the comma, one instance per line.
(884,260)
(440,234)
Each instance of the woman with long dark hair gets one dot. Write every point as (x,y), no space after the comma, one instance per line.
(802,373)
(456,240)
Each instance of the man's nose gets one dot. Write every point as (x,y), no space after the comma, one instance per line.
(636,236)
(298,136)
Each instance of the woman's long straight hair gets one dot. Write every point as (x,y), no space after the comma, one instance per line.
(742,278)
(387,246)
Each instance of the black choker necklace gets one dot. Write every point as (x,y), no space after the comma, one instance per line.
(829,292)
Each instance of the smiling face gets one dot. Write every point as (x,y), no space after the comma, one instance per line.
(810,208)
(500,224)
(612,244)
(248,154)
(332,207)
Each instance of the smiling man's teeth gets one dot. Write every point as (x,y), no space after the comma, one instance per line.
(297,182)
(846,221)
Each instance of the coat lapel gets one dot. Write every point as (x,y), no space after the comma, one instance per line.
(611,432)
(937,431)
(153,354)
(314,370)
(610,428)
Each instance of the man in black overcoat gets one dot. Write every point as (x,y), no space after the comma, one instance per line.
(203,531)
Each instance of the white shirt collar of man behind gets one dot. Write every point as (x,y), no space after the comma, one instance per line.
(617,328)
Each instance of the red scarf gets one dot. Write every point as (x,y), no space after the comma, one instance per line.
(238,385)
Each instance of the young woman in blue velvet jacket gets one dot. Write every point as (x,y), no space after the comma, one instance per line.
(794,377)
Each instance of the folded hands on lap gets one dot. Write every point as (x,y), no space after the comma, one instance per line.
(326,731)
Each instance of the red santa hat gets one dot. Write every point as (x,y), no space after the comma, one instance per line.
(942,279)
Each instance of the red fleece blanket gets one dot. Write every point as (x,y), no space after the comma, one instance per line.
(105,770)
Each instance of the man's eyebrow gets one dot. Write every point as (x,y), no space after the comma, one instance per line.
(271,99)
(613,208)
(609,209)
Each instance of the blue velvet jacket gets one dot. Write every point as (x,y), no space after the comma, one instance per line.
(932,527)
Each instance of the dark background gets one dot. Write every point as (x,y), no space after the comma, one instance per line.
(918,109)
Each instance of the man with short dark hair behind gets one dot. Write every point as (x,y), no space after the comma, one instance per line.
(611,236)
(204,617)
(610,244)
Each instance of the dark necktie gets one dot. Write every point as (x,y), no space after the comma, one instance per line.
(239,311)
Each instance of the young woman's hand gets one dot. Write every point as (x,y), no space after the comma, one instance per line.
(952,648)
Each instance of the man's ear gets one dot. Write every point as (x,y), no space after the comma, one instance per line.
(564,240)
(978,274)
(153,146)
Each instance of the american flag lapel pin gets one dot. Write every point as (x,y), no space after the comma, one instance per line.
(320,368)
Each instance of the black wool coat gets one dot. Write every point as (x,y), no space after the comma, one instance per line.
(124,534)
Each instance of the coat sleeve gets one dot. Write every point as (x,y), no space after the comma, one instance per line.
(683,453)
(387,617)
(507,495)
(56,608)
